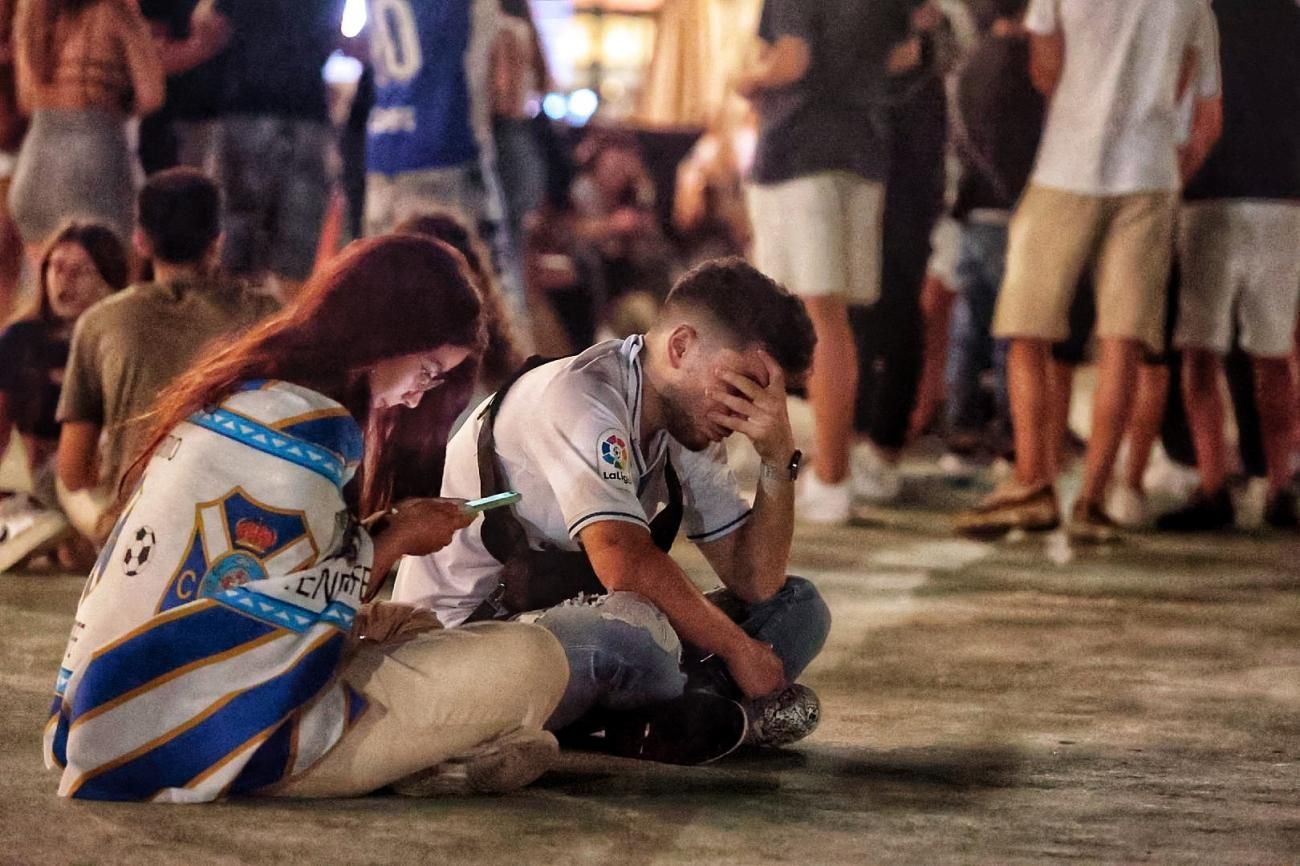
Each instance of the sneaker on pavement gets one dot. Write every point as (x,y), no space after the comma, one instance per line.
(1203,513)
(1012,506)
(27,529)
(784,717)
(696,728)
(874,479)
(1090,524)
(1128,507)
(818,502)
(1165,476)
(498,766)
(1280,511)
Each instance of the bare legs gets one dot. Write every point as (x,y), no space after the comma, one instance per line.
(832,386)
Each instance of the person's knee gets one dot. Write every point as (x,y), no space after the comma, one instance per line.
(545,664)
(808,609)
(625,640)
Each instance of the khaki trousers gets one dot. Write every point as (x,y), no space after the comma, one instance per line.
(436,697)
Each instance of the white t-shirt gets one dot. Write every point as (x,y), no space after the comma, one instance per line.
(1112,125)
(567,439)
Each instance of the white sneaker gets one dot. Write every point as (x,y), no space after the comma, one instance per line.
(1250,503)
(815,501)
(27,528)
(1127,507)
(1167,477)
(874,478)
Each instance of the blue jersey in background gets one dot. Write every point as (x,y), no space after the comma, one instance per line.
(422,113)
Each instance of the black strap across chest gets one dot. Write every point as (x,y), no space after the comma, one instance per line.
(534,579)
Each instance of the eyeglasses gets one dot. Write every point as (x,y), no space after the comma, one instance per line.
(430,377)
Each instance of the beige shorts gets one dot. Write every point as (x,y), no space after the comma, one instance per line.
(1243,256)
(820,234)
(1055,235)
(436,697)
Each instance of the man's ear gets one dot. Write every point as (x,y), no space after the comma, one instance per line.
(143,249)
(680,341)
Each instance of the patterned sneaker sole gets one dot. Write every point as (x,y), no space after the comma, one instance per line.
(787,717)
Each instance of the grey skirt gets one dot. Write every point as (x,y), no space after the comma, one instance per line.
(73,165)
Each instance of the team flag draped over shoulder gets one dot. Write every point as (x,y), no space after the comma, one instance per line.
(205,654)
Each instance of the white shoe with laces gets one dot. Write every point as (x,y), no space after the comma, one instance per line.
(1127,507)
(875,479)
(815,501)
(26,528)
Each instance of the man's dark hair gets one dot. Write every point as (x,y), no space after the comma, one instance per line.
(753,307)
(179,211)
(1006,8)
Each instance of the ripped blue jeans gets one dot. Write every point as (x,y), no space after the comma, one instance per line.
(624,654)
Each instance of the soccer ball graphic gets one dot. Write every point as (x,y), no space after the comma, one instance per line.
(138,551)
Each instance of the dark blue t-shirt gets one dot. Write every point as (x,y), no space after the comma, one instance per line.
(834,118)
(273,62)
(421,118)
(1258,155)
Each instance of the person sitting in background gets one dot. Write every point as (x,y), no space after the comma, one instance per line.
(124,352)
(83,263)
(502,355)
(215,626)
(618,238)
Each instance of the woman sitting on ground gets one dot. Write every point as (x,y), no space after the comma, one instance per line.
(83,263)
(221,646)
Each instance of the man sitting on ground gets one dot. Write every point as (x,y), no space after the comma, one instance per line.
(130,346)
(595,444)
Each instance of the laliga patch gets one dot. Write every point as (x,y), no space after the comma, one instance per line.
(613,456)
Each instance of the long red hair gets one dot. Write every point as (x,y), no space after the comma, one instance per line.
(380,298)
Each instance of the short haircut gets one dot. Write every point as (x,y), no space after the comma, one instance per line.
(1009,8)
(179,212)
(753,308)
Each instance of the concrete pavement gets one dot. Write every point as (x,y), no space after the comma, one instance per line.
(1018,702)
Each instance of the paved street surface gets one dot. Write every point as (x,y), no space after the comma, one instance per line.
(1011,703)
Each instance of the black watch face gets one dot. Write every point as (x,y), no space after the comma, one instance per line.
(795,459)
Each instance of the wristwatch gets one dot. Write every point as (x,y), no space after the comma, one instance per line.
(791,468)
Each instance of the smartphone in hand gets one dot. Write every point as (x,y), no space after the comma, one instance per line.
(496,500)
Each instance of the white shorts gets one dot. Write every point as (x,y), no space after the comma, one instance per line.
(820,234)
(1244,255)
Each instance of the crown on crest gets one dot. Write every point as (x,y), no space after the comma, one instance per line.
(253,535)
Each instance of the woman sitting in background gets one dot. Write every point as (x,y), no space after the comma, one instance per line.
(211,654)
(82,263)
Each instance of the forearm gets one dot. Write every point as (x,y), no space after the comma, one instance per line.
(77,455)
(763,543)
(1207,126)
(657,578)
(783,63)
